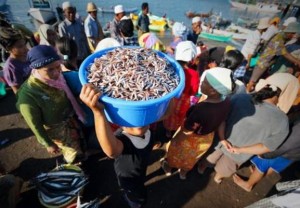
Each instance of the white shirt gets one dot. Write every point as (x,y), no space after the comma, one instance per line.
(251,43)
(271,31)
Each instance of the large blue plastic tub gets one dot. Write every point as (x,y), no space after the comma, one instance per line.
(134,113)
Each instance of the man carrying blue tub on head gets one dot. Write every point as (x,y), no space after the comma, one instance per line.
(129,146)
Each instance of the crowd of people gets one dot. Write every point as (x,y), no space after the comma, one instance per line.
(251,109)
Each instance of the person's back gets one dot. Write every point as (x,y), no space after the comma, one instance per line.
(143,21)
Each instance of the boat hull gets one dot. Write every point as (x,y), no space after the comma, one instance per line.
(108,10)
(242,35)
(259,7)
(42,15)
(220,38)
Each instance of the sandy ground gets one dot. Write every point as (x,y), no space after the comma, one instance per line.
(24,157)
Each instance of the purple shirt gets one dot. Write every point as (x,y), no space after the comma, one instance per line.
(16,72)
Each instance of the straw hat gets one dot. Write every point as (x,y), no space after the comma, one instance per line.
(119,9)
(263,23)
(289,20)
(91,7)
(293,27)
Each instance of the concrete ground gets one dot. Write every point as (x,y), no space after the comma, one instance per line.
(24,157)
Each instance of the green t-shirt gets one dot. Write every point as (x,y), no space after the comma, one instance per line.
(41,106)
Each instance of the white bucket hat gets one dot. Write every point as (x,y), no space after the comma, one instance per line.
(289,20)
(263,23)
(185,51)
(196,19)
(66,5)
(107,43)
(119,9)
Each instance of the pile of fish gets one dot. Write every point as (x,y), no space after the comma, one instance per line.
(60,186)
(133,74)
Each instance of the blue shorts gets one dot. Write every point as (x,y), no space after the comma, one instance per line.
(278,164)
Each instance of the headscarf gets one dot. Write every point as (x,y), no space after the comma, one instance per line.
(180,30)
(150,40)
(185,51)
(288,84)
(42,55)
(220,79)
(43,33)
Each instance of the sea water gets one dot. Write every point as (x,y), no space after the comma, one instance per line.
(17,10)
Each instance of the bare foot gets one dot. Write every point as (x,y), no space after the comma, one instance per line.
(251,168)
(241,183)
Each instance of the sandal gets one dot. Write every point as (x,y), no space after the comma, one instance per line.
(165,167)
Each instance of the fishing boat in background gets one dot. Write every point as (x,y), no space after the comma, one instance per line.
(258,7)
(42,12)
(235,31)
(215,37)
(111,10)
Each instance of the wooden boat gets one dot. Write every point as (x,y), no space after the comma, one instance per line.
(157,24)
(42,11)
(236,32)
(215,37)
(111,10)
(258,7)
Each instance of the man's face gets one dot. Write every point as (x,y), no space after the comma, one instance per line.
(93,14)
(197,27)
(120,15)
(70,13)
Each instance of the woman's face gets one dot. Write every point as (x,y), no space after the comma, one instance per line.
(19,49)
(207,89)
(51,35)
(51,71)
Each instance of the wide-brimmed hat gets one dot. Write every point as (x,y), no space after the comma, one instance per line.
(66,5)
(293,27)
(118,9)
(263,23)
(185,51)
(289,20)
(41,55)
(287,83)
(91,7)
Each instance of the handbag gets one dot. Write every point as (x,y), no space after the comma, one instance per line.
(259,49)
